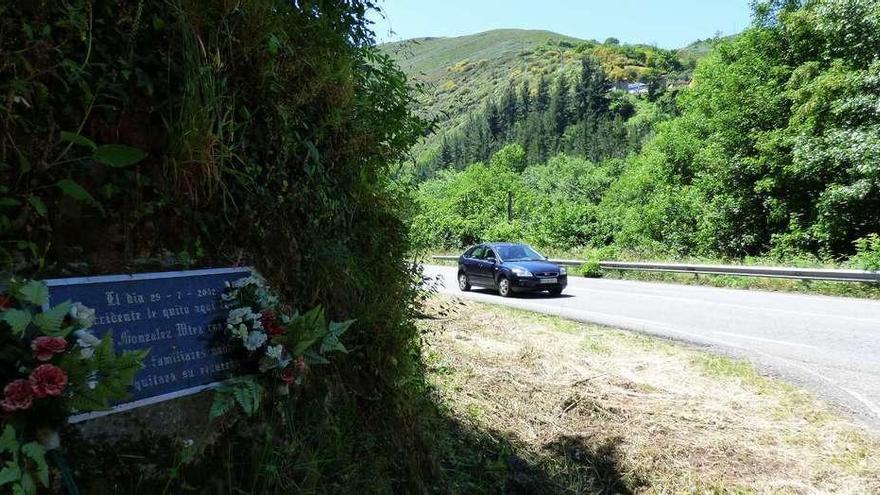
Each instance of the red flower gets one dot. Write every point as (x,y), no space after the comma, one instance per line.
(17,395)
(268,316)
(48,380)
(5,302)
(46,347)
(270,323)
(287,375)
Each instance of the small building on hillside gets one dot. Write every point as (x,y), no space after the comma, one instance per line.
(633,88)
(637,88)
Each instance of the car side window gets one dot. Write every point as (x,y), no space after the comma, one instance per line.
(478,253)
(490,254)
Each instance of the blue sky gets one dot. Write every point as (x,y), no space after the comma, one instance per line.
(666,23)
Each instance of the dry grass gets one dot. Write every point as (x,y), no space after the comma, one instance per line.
(600,410)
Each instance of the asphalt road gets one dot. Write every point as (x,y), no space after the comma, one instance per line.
(829,345)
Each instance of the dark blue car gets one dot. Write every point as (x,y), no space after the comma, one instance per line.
(509,268)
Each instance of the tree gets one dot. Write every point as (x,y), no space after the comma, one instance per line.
(591,91)
(542,95)
(560,112)
(525,101)
(777,137)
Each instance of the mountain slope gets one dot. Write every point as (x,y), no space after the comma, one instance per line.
(431,56)
(460,75)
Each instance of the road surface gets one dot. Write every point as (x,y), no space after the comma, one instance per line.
(830,345)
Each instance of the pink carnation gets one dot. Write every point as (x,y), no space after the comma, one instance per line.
(48,380)
(16,396)
(46,347)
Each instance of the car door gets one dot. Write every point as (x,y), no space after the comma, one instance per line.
(472,265)
(488,266)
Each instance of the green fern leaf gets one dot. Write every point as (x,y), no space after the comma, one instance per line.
(34,292)
(37,453)
(10,473)
(248,394)
(28,486)
(221,405)
(17,319)
(87,402)
(50,321)
(8,442)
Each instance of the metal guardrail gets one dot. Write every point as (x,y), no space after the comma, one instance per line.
(738,270)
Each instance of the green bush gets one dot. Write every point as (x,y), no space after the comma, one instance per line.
(590,269)
(867,255)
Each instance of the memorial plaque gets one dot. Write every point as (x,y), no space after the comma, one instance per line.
(179,316)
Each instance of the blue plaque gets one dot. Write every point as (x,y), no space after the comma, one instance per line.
(179,316)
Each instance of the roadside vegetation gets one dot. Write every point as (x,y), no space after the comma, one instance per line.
(543,405)
(768,154)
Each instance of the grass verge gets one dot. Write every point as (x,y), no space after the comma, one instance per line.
(543,405)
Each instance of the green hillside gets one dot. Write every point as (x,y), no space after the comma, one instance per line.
(460,75)
(433,56)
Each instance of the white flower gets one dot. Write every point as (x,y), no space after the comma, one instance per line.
(240,331)
(82,314)
(87,342)
(255,340)
(275,352)
(238,315)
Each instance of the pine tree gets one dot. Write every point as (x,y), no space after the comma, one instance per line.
(559,113)
(591,90)
(542,95)
(507,112)
(493,118)
(524,104)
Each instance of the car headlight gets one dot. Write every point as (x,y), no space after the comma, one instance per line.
(521,272)
(562,270)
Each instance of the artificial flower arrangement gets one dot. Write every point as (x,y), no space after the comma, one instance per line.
(275,345)
(51,366)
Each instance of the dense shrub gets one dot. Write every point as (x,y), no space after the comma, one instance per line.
(252,132)
(867,255)
(779,133)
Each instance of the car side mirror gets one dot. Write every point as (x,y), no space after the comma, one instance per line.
(492,260)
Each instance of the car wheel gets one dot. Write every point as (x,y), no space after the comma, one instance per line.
(504,287)
(555,292)
(463,283)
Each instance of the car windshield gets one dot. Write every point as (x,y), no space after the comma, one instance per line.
(518,252)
